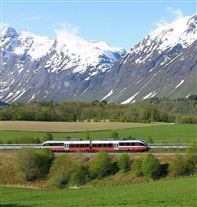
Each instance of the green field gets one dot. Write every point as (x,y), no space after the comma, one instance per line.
(43,126)
(174,133)
(177,193)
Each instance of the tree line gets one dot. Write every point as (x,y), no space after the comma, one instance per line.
(158,110)
(68,170)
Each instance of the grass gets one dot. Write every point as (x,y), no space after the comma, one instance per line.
(175,193)
(173,133)
(68,126)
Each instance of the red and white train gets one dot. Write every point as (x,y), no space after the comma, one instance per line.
(96,146)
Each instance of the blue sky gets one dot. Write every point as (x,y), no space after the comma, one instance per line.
(121,24)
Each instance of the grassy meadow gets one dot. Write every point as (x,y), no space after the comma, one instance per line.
(167,133)
(40,126)
(177,193)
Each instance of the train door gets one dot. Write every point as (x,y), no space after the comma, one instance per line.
(116,146)
(66,147)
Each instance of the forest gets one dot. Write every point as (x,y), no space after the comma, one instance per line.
(152,110)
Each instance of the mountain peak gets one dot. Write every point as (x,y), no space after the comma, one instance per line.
(9,32)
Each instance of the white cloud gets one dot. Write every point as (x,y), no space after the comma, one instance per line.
(68,28)
(176,13)
(161,22)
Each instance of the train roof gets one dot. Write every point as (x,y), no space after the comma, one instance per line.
(93,141)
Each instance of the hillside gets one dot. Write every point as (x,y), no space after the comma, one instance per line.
(163,64)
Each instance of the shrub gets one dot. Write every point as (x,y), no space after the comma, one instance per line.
(37,140)
(48,136)
(115,134)
(124,163)
(80,174)
(137,167)
(33,164)
(180,166)
(100,166)
(60,171)
(27,164)
(151,167)
(45,158)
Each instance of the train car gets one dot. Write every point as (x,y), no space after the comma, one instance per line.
(96,146)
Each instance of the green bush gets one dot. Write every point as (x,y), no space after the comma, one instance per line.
(151,167)
(100,166)
(48,136)
(45,158)
(115,134)
(80,174)
(61,171)
(181,166)
(124,163)
(27,166)
(33,164)
(137,167)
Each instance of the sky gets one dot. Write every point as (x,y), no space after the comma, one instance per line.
(119,23)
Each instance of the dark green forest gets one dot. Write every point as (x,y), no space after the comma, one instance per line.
(153,110)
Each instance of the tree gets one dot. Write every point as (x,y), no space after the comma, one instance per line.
(137,167)
(27,164)
(150,140)
(80,174)
(37,140)
(100,166)
(115,134)
(48,137)
(61,171)
(45,158)
(33,164)
(180,166)
(88,137)
(124,163)
(151,167)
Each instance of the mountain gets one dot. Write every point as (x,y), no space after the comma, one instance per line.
(39,68)
(163,64)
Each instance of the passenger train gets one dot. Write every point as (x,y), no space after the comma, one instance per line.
(96,146)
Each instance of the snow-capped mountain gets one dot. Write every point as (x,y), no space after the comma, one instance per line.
(163,64)
(39,68)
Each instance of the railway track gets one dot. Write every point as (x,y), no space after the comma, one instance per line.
(38,146)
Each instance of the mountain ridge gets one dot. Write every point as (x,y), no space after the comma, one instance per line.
(163,64)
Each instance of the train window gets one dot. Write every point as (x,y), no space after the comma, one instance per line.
(139,144)
(121,144)
(46,144)
(58,144)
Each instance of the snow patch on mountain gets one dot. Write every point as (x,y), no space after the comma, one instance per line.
(180,83)
(182,31)
(130,99)
(109,94)
(150,95)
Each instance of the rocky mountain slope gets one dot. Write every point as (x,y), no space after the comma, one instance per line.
(40,68)
(163,64)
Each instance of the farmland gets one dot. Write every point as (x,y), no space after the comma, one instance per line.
(69,126)
(25,132)
(176,193)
